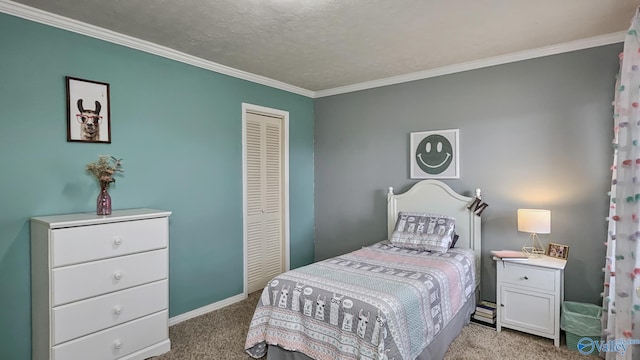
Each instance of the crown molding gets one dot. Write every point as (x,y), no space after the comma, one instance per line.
(61,22)
(472,65)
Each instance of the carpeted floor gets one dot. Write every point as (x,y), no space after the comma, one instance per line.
(220,335)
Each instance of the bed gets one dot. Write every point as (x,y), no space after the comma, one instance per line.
(383,301)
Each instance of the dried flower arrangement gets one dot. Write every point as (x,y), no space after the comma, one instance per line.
(104,169)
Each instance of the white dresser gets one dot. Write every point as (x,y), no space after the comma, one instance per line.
(99,285)
(529,295)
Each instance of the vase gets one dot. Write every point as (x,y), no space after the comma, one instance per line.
(103,205)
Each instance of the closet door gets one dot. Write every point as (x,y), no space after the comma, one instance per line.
(265,240)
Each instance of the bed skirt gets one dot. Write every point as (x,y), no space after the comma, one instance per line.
(434,351)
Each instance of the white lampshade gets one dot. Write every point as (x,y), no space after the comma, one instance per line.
(534,221)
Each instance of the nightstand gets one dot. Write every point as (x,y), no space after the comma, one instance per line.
(529,294)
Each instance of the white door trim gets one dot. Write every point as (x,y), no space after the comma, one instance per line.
(285,128)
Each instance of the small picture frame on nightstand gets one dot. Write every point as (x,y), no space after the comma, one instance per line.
(558,251)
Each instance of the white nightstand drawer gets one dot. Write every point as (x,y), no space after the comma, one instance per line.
(529,276)
(87,243)
(76,282)
(87,316)
(116,342)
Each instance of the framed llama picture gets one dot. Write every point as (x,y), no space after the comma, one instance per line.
(434,154)
(88,112)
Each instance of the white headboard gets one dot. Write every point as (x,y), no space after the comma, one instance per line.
(435,197)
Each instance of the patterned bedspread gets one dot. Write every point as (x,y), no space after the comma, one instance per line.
(379,302)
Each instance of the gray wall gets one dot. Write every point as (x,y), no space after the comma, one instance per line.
(533,134)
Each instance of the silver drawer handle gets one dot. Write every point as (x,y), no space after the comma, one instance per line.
(117,344)
(117,241)
(118,310)
(118,275)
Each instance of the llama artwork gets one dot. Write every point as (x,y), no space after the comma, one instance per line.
(308,306)
(284,296)
(265,296)
(420,228)
(89,121)
(377,329)
(334,309)
(432,226)
(347,322)
(320,307)
(362,323)
(295,300)
(401,223)
(88,114)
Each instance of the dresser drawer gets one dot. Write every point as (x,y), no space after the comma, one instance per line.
(76,282)
(529,276)
(116,342)
(87,243)
(87,316)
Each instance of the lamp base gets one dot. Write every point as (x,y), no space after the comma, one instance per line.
(533,247)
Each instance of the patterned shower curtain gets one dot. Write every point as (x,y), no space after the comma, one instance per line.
(621,294)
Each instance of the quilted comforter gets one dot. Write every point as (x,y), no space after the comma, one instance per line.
(379,302)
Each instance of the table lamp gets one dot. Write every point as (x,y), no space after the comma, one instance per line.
(534,221)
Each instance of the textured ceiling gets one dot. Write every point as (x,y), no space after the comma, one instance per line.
(324,44)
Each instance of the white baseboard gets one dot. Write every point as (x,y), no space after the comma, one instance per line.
(206,309)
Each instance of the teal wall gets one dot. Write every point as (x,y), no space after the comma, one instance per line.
(179,131)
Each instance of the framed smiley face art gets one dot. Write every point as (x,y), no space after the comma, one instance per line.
(435,154)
